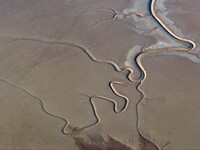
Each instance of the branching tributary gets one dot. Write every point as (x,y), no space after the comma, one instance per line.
(112,84)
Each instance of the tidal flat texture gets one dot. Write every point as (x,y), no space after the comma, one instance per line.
(169,113)
(99,75)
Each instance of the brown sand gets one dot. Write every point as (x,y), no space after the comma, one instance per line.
(38,65)
(180,10)
(169,114)
(61,76)
(44,74)
(25,125)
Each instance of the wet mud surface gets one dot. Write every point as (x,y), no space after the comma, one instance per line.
(99,75)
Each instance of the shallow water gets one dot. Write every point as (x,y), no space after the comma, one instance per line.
(56,55)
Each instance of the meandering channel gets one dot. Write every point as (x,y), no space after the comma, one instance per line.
(129,71)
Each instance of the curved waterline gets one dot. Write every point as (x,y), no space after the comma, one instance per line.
(163,25)
(129,75)
(42,104)
(157,51)
(129,71)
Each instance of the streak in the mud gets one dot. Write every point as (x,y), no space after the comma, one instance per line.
(157,51)
(93,97)
(129,71)
(42,104)
(163,25)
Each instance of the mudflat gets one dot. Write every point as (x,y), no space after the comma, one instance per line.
(99,75)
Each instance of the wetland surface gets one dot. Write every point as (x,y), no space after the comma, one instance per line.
(99,75)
